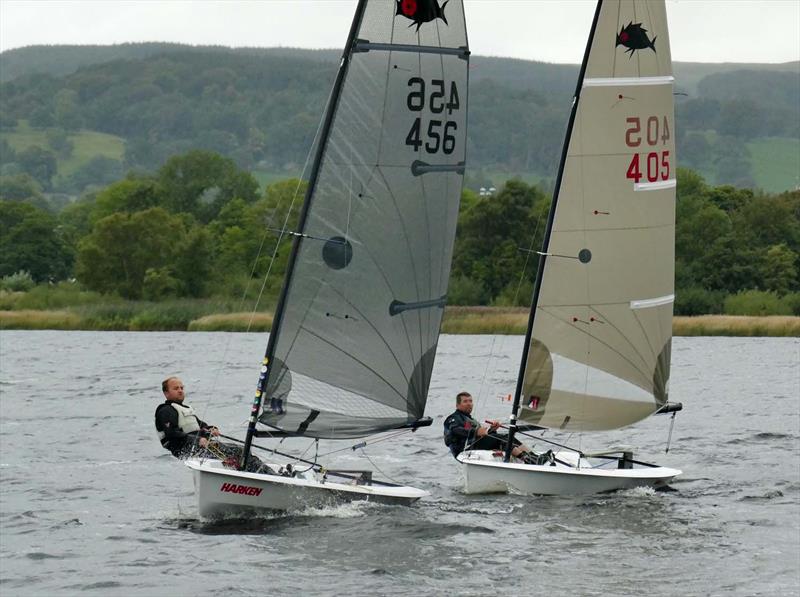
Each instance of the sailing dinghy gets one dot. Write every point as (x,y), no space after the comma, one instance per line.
(356,326)
(597,350)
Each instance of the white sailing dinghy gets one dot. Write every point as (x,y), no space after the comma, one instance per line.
(357,323)
(597,350)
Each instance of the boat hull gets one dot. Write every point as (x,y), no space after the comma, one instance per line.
(486,473)
(226,492)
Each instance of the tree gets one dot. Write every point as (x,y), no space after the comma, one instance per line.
(115,257)
(19,188)
(201,182)
(494,236)
(39,163)
(67,110)
(123,247)
(99,170)
(193,262)
(30,241)
(780,269)
(59,142)
(126,196)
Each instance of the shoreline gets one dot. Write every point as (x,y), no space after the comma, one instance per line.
(457,320)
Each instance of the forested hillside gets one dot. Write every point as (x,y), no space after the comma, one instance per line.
(75,118)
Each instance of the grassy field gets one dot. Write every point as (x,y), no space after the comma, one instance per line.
(457,320)
(88,144)
(776,163)
(266,178)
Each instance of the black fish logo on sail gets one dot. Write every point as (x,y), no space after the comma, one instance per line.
(634,37)
(421,11)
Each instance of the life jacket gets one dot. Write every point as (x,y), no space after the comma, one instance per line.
(187,420)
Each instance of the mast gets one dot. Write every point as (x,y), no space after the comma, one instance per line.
(263,378)
(546,241)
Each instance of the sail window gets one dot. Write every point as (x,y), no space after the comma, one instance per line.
(337,252)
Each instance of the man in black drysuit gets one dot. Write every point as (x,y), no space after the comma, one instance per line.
(461,431)
(183,433)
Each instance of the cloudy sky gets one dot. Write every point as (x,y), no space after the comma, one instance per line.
(547,30)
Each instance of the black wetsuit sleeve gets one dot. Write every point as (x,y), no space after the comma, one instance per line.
(458,427)
(167,421)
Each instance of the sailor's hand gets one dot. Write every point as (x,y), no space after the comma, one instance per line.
(482,431)
(493,424)
(203,442)
(213,431)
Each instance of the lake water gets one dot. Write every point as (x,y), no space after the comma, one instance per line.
(91,504)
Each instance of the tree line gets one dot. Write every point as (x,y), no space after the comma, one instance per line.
(201,227)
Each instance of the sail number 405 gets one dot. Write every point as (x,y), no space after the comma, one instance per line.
(438,135)
(655,164)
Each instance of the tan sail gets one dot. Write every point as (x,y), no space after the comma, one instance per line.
(600,346)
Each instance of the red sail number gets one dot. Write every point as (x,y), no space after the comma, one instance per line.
(656,167)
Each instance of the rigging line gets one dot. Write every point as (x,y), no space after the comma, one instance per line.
(614,61)
(223,359)
(367,443)
(444,263)
(270,222)
(486,370)
(427,226)
(377,468)
(385,95)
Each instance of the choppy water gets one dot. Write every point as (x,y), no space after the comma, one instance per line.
(91,504)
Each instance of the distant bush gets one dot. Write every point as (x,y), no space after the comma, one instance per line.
(792,301)
(515,295)
(466,291)
(756,302)
(698,301)
(19,282)
(59,296)
(171,315)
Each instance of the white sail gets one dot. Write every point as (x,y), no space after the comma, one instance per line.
(599,351)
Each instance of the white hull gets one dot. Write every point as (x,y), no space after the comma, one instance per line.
(486,473)
(222,491)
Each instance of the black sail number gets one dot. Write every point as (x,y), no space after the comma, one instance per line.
(416,94)
(438,135)
(437,97)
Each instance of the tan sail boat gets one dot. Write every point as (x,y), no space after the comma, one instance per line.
(597,352)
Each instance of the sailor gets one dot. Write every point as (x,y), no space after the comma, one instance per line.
(462,432)
(180,430)
(183,433)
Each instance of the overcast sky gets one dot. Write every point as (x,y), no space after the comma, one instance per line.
(546,30)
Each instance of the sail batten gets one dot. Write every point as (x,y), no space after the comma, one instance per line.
(599,347)
(363,304)
(363,45)
(627,81)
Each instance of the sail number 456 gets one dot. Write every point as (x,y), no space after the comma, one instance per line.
(439,134)
(656,164)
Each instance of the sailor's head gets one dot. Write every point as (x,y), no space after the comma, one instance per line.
(173,389)
(464,402)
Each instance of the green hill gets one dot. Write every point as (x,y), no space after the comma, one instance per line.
(87,145)
(135,105)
